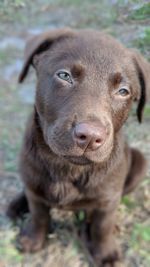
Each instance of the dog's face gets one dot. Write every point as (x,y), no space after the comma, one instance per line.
(86,83)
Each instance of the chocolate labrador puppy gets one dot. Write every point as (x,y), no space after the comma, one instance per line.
(74,155)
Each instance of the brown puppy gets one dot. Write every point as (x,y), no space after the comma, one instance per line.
(74,154)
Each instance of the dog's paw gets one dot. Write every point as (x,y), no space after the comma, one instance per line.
(111,260)
(30,244)
(31,239)
(108,255)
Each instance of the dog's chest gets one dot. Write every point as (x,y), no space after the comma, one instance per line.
(70,189)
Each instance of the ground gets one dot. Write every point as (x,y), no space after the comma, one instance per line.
(129,21)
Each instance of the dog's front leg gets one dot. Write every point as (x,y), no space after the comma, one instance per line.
(33,234)
(103,247)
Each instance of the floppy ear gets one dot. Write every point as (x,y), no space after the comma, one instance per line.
(40,43)
(143,72)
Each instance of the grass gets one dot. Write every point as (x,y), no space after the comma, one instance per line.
(147,111)
(7,248)
(143,43)
(141,13)
(141,235)
(129,202)
(8,8)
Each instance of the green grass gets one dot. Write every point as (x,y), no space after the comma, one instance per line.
(8,252)
(141,13)
(10,149)
(143,43)
(147,111)
(129,202)
(5,57)
(12,124)
(141,232)
(8,8)
(140,240)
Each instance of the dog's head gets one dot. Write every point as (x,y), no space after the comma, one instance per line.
(86,83)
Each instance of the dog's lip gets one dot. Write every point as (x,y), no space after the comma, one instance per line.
(79,160)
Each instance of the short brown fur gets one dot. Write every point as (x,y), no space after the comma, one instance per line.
(57,167)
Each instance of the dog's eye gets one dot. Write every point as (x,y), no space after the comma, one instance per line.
(64,75)
(123,91)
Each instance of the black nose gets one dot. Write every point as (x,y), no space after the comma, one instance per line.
(89,136)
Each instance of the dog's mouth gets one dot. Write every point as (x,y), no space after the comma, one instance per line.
(78,160)
(62,144)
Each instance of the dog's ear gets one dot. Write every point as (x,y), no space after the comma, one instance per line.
(143,73)
(40,43)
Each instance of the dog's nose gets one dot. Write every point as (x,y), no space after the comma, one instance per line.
(89,136)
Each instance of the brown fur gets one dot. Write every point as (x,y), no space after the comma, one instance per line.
(56,171)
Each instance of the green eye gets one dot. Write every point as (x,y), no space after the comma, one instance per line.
(123,92)
(64,75)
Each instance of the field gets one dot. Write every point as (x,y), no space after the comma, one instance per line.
(129,21)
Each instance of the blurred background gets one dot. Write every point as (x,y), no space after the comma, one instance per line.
(129,21)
